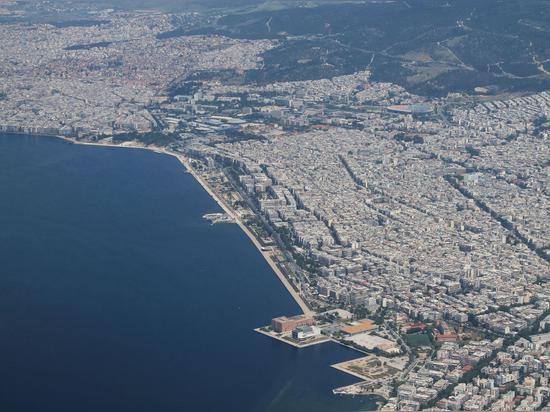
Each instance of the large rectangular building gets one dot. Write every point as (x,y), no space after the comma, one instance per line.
(283,324)
(359,327)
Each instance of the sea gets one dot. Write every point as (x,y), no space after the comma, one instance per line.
(116,295)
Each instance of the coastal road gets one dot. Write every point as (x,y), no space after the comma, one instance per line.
(267,255)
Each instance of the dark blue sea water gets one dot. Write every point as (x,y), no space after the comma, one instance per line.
(115,295)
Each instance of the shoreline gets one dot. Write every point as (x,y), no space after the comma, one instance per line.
(304,308)
(301,303)
(204,184)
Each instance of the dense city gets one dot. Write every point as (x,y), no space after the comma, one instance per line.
(413,230)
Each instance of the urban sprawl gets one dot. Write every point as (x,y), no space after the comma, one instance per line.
(414,230)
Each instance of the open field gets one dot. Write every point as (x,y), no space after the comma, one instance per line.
(418,340)
(368,368)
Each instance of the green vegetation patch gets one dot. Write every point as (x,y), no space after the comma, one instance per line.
(418,340)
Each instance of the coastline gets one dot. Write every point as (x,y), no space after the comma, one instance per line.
(301,303)
(226,208)
(155,314)
(185,161)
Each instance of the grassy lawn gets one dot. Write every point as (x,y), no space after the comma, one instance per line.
(417,340)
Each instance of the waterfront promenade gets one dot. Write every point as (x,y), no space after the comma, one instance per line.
(266,254)
(227,209)
(140,252)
